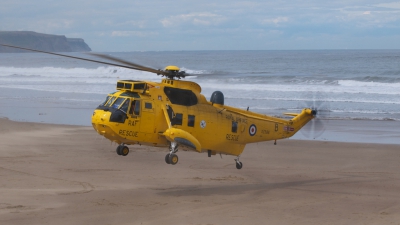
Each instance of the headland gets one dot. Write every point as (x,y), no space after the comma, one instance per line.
(42,42)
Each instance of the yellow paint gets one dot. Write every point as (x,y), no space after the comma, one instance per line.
(173,68)
(219,128)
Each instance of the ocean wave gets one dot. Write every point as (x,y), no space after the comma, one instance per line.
(384,78)
(65,88)
(102,71)
(333,111)
(364,118)
(300,80)
(355,83)
(50,98)
(389,89)
(57,72)
(194,72)
(324,99)
(365,111)
(209,76)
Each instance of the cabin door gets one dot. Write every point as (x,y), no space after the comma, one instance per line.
(147,123)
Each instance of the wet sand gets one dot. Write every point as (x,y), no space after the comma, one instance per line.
(58,174)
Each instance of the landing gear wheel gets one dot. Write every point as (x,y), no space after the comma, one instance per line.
(167,159)
(124,150)
(118,150)
(173,159)
(239,165)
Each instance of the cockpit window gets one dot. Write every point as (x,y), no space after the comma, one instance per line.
(109,103)
(118,102)
(125,106)
(108,98)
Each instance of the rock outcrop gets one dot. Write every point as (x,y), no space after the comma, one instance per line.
(43,42)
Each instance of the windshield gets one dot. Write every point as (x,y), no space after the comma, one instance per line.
(110,101)
(125,106)
(108,98)
(118,102)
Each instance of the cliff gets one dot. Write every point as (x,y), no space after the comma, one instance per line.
(43,42)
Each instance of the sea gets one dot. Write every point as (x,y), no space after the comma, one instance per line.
(340,84)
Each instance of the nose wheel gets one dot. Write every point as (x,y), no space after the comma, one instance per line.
(122,150)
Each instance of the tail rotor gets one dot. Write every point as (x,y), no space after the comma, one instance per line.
(317,126)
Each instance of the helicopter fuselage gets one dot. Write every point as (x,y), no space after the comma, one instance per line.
(156,114)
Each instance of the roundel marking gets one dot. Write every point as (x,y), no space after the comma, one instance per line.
(203,124)
(252,130)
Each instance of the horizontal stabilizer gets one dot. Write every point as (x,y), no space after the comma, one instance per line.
(291,114)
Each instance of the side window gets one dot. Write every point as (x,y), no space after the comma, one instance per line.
(136,111)
(132,107)
(234,127)
(135,108)
(148,105)
(191,120)
(177,120)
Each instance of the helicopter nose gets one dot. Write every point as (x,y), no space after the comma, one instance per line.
(99,118)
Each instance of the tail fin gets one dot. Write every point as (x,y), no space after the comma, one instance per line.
(301,119)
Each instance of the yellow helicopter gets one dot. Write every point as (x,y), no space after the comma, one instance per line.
(174,113)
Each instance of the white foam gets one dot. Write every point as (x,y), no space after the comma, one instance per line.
(56,73)
(323,99)
(353,83)
(189,71)
(382,88)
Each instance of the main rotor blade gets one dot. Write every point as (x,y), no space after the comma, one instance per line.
(139,67)
(90,60)
(144,68)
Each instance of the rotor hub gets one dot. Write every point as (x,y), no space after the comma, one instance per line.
(314,112)
(173,72)
(172,68)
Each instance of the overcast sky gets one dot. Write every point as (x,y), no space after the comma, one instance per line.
(131,25)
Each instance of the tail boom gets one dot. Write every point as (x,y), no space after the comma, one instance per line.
(301,119)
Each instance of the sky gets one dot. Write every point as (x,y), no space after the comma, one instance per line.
(163,25)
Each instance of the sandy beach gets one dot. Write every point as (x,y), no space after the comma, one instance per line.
(59,174)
